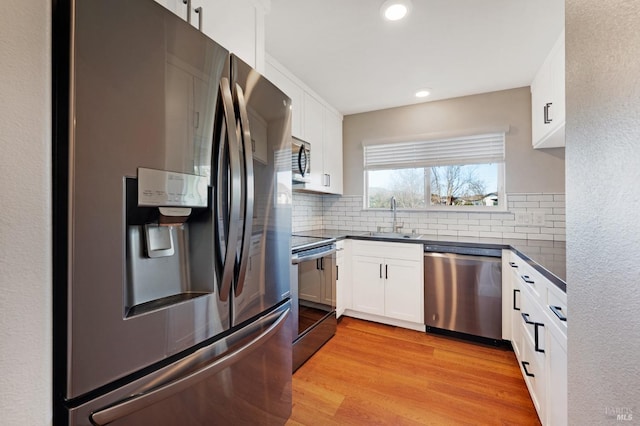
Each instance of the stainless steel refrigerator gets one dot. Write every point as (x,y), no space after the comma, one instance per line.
(172,224)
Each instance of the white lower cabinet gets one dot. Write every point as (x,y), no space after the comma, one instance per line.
(387,283)
(343,277)
(368,285)
(403,290)
(538,329)
(556,369)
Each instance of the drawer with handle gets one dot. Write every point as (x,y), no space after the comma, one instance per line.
(557,309)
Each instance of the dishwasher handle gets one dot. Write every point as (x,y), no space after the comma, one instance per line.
(462,250)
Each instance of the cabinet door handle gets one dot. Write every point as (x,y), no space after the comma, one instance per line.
(515,308)
(188,3)
(386,272)
(524,366)
(513,264)
(536,336)
(199,11)
(337,273)
(525,317)
(527,279)
(558,311)
(381,270)
(547,107)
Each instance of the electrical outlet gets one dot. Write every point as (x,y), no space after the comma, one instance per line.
(524,219)
(538,218)
(530,218)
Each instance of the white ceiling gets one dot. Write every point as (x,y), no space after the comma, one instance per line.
(358,62)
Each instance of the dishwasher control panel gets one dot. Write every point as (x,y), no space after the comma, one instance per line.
(471,251)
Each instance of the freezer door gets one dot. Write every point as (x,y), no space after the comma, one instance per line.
(244,378)
(263,121)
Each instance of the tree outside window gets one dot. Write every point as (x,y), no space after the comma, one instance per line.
(475,185)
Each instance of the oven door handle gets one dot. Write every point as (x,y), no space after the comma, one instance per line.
(297,260)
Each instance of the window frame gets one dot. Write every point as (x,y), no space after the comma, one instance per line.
(501,176)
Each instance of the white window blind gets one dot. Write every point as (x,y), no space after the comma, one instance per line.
(476,149)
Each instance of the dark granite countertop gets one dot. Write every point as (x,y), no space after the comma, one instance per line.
(547,257)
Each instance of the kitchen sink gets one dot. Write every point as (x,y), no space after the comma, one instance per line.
(409,236)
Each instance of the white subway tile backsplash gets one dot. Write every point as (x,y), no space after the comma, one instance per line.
(474,234)
(448,221)
(502,229)
(490,234)
(519,197)
(526,204)
(314,211)
(540,197)
(540,237)
(551,204)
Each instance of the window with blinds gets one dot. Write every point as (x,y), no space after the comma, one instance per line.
(463,173)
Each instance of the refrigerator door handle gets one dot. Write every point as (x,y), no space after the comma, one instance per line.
(229,181)
(176,381)
(248,188)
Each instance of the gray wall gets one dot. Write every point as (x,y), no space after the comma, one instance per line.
(528,170)
(603,201)
(25,212)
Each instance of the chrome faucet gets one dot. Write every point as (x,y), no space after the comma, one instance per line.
(395,225)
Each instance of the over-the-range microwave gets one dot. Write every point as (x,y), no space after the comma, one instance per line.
(300,160)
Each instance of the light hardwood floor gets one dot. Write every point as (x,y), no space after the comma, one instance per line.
(372,374)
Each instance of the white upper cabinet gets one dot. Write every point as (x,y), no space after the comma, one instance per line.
(332,152)
(279,77)
(176,6)
(548,100)
(316,122)
(236,25)
(323,130)
(314,134)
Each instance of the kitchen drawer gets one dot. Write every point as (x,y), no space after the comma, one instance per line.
(556,309)
(532,365)
(528,277)
(533,322)
(403,251)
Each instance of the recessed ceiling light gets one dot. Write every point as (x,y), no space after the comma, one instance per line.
(394,10)
(423,93)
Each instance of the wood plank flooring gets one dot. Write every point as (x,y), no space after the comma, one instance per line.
(373,374)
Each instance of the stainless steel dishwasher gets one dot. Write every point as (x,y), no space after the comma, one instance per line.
(463,290)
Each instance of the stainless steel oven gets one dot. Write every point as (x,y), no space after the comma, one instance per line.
(313,295)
